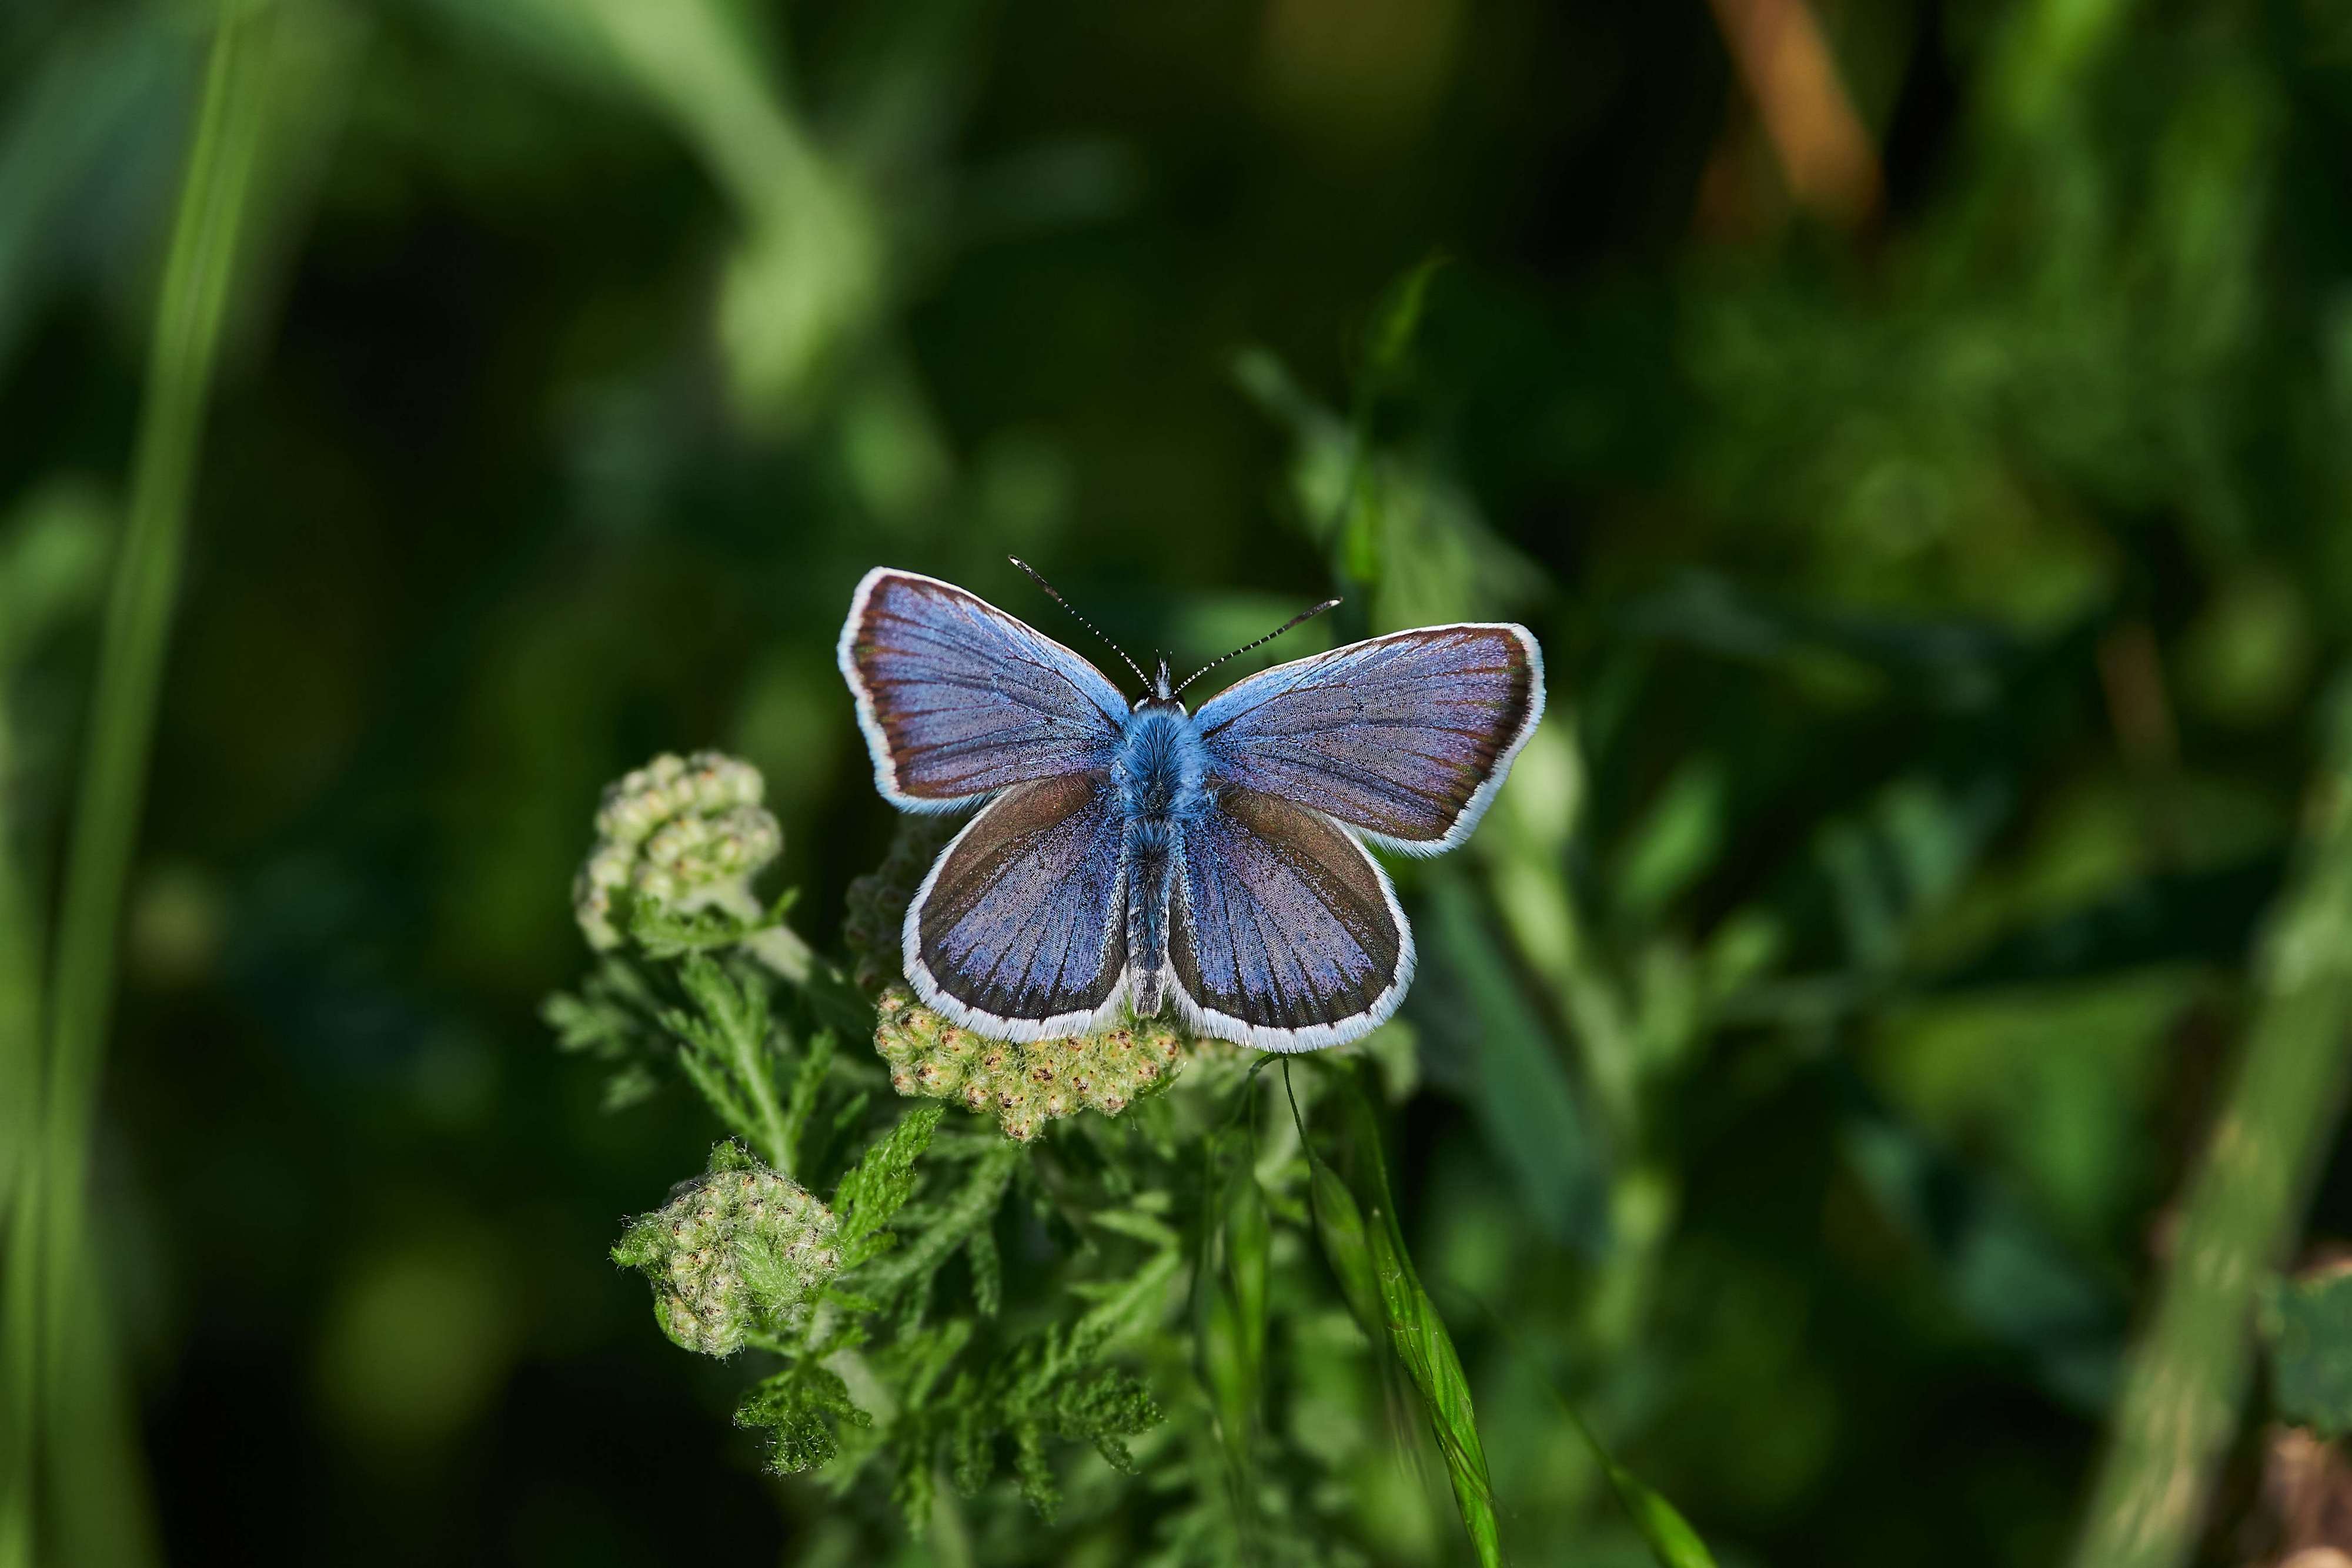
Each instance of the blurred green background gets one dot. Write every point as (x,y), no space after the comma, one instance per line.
(1920,431)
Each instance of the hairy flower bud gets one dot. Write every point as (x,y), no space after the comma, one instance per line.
(1026,1086)
(681,832)
(731,1252)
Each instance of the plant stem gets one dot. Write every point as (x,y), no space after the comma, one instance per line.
(2189,1373)
(20,1089)
(767,1113)
(781,949)
(950,1536)
(93,1471)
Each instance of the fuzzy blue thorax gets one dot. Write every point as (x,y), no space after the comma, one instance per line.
(1158,772)
(1158,766)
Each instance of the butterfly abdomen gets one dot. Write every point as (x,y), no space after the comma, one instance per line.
(1158,773)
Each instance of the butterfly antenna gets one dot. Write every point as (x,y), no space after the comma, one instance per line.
(1300,619)
(1053,594)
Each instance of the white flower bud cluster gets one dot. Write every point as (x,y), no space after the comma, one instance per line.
(732,1251)
(1023,1086)
(683,832)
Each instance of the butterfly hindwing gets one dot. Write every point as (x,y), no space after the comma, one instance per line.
(1020,930)
(1282,933)
(1404,737)
(959,699)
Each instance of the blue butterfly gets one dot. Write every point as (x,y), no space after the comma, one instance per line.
(1132,855)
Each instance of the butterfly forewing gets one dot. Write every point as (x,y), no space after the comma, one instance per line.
(1019,930)
(1282,933)
(959,699)
(1404,737)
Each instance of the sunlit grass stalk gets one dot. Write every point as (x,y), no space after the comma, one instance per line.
(83,1458)
(20,1088)
(2189,1373)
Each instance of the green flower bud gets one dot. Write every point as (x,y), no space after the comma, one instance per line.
(685,832)
(732,1252)
(1025,1086)
(938,1077)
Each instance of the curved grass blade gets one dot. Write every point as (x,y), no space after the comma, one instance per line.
(1672,1541)
(79,1420)
(1367,1251)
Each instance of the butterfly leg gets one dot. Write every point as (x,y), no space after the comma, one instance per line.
(1149,847)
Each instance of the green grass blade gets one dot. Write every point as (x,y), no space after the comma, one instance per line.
(1668,1535)
(1420,1342)
(2188,1375)
(1230,1305)
(1524,1097)
(1672,1541)
(1418,1334)
(94,1475)
(20,1087)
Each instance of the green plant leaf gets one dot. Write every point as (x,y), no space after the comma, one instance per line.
(792,1408)
(1396,321)
(800,1105)
(727,1052)
(666,932)
(2308,1322)
(1249,1241)
(2004,1270)
(1229,1298)
(1523,1096)
(880,1184)
(946,1222)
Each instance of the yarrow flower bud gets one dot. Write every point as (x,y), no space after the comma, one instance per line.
(684,834)
(1025,1086)
(731,1252)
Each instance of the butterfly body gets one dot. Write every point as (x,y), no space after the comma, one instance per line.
(1160,774)
(1131,854)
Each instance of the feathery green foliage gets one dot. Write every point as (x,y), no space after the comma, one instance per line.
(902,1342)
(878,1188)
